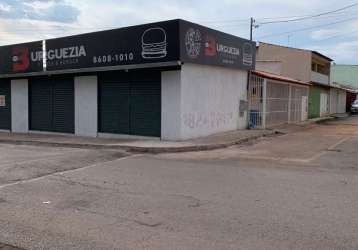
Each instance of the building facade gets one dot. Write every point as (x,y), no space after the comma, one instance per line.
(303,65)
(173,80)
(347,77)
(345,74)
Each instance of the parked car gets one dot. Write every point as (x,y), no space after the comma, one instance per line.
(354,107)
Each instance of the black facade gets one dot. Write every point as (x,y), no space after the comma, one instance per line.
(155,43)
(129,97)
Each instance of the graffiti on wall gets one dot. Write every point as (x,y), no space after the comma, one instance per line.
(207,120)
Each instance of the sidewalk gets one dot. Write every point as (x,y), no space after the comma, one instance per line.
(154,146)
(135,145)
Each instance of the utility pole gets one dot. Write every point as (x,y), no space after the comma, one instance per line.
(252,22)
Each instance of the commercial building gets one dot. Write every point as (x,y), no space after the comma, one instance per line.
(172,80)
(303,65)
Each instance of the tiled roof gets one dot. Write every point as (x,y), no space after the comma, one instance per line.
(279,77)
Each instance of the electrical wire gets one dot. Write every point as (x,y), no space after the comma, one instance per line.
(309,28)
(312,16)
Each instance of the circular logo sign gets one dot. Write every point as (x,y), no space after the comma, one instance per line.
(193,43)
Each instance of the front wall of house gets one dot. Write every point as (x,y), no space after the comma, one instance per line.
(295,63)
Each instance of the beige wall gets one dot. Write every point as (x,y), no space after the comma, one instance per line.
(296,63)
(274,67)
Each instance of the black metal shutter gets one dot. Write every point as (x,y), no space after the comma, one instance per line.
(146,103)
(114,104)
(5,111)
(52,104)
(63,105)
(40,104)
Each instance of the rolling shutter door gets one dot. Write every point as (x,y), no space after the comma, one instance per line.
(40,104)
(5,108)
(130,103)
(52,104)
(63,105)
(114,91)
(146,103)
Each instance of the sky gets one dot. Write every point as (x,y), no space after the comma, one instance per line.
(335,34)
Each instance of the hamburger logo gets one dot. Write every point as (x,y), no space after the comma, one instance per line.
(154,43)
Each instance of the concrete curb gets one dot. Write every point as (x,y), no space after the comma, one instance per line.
(136,149)
(321,120)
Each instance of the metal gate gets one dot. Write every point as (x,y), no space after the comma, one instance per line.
(256,99)
(298,104)
(273,103)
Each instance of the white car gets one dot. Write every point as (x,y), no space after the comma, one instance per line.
(354,107)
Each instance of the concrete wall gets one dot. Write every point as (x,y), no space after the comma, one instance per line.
(210,100)
(20,106)
(86,106)
(171,105)
(296,63)
(202,100)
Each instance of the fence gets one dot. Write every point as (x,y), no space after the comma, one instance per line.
(274,103)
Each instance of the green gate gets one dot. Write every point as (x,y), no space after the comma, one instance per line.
(314,102)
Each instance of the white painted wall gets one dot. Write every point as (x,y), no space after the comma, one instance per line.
(342,101)
(337,101)
(20,106)
(171,105)
(333,101)
(210,100)
(202,100)
(86,106)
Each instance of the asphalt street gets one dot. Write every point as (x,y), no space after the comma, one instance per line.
(296,191)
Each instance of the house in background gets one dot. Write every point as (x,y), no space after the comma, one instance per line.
(347,77)
(306,66)
(345,74)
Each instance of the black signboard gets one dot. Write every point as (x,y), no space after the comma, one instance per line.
(170,41)
(21,58)
(150,43)
(202,45)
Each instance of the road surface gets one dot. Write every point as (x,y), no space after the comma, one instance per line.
(297,191)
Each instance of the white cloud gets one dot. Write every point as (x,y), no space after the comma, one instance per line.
(230,15)
(323,33)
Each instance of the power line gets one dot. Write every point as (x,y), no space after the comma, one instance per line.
(309,28)
(260,18)
(244,24)
(312,16)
